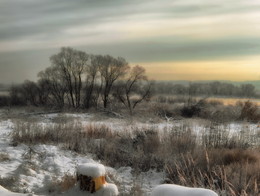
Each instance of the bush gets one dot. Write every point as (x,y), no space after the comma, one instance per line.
(249,112)
(4,101)
(190,111)
(65,183)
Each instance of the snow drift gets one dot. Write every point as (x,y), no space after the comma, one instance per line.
(177,190)
(5,192)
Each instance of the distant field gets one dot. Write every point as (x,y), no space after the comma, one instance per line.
(233,101)
(224,100)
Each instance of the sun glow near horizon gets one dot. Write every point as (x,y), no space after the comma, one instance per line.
(236,70)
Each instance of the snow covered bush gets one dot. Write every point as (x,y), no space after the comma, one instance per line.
(91,178)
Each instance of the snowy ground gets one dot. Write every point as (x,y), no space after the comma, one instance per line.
(35,169)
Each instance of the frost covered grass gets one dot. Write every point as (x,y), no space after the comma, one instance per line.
(63,184)
(213,110)
(213,156)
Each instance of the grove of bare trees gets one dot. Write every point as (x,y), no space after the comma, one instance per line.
(79,80)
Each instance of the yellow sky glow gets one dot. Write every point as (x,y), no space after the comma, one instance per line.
(237,70)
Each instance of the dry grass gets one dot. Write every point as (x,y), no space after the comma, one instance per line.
(241,176)
(96,132)
(4,157)
(216,160)
(65,183)
(215,110)
(9,182)
(55,185)
(249,111)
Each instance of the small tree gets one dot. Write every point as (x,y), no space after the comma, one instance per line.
(30,92)
(92,74)
(44,90)
(16,95)
(134,89)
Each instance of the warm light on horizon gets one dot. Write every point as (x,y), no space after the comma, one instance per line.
(235,70)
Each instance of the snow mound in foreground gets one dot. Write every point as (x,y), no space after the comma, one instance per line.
(107,190)
(5,192)
(91,169)
(177,190)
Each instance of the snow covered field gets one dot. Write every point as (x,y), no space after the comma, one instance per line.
(37,168)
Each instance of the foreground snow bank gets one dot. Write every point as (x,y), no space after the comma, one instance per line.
(176,190)
(5,192)
(108,189)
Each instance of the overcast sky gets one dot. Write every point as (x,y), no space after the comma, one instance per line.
(172,39)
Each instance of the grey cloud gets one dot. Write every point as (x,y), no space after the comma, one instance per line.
(15,67)
(175,50)
(26,18)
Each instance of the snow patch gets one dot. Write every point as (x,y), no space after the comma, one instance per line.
(107,190)
(5,192)
(177,190)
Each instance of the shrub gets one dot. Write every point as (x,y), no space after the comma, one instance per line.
(4,101)
(190,111)
(163,110)
(65,183)
(249,111)
(97,132)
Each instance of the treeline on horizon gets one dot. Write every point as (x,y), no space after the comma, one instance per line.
(76,79)
(214,88)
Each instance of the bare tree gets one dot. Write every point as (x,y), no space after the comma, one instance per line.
(111,69)
(30,92)
(92,74)
(54,80)
(71,64)
(134,89)
(16,95)
(247,90)
(44,90)
(80,66)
